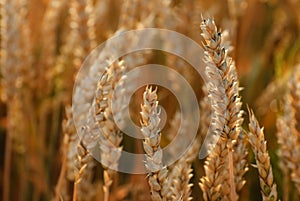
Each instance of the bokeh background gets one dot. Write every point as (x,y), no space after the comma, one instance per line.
(44,54)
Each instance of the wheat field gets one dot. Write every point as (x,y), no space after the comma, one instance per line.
(212,93)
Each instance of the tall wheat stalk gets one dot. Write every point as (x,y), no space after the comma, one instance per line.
(223,89)
(110,135)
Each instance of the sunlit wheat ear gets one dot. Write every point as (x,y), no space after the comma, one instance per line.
(259,147)
(157,172)
(83,187)
(68,170)
(223,90)
(110,135)
(78,164)
(181,173)
(288,133)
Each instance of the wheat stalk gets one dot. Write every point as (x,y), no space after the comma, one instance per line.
(227,115)
(151,132)
(259,147)
(111,136)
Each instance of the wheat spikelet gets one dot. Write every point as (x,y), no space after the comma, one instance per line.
(259,147)
(227,115)
(150,130)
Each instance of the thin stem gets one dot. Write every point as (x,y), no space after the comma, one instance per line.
(233,194)
(7,164)
(61,178)
(107,184)
(106,193)
(75,190)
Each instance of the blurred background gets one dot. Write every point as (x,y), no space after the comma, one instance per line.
(44,42)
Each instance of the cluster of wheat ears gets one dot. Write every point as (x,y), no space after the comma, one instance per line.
(45,43)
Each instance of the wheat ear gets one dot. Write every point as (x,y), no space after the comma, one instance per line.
(223,89)
(110,136)
(180,172)
(288,132)
(259,147)
(77,164)
(83,187)
(67,171)
(151,132)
